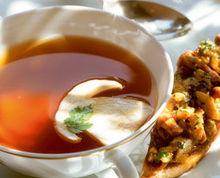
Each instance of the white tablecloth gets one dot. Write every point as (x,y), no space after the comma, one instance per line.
(205,15)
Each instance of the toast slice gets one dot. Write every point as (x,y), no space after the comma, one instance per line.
(175,169)
(188,125)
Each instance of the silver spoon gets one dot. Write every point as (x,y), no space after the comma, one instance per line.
(161,21)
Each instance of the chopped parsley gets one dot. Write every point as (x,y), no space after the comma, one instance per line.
(164,156)
(206,46)
(199,122)
(78,119)
(207,76)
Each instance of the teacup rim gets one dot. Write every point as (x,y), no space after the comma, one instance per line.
(149,123)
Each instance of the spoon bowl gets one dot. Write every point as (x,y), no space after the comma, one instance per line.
(161,21)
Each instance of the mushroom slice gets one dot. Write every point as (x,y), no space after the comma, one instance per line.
(112,119)
(210,106)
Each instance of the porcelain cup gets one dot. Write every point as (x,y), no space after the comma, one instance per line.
(57,21)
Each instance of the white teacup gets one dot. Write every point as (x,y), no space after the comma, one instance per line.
(75,20)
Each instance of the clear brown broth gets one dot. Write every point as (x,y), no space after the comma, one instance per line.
(36,75)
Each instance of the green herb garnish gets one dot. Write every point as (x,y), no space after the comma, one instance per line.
(207,76)
(199,122)
(205,46)
(164,156)
(78,119)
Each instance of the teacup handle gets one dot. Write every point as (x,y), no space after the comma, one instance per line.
(124,166)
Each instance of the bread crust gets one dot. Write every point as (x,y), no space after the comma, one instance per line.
(174,170)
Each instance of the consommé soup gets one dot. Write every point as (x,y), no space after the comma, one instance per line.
(36,75)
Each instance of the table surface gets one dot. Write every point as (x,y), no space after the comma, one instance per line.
(205,15)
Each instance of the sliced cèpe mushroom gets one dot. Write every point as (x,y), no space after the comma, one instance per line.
(113,119)
(90,88)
